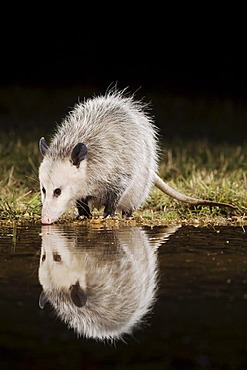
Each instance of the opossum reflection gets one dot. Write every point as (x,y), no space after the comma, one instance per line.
(100,283)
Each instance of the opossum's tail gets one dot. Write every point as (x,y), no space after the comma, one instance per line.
(160,184)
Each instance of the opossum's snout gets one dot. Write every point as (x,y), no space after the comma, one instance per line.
(46,220)
(51,213)
(60,181)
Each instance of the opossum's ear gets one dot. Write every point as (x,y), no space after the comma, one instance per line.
(42,299)
(78,154)
(78,295)
(43,146)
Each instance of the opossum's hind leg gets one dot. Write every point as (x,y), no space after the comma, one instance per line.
(83,207)
(111,203)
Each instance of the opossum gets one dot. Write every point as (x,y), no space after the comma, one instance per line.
(101,283)
(104,153)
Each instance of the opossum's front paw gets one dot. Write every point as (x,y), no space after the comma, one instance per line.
(109,216)
(109,211)
(85,217)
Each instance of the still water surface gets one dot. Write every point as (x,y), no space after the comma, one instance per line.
(123,298)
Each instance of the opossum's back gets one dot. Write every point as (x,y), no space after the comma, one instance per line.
(109,121)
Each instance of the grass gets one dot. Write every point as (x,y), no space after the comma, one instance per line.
(203,170)
(198,169)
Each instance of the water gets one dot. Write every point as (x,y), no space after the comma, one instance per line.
(176,298)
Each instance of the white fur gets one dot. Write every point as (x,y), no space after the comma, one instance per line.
(60,174)
(116,268)
(122,152)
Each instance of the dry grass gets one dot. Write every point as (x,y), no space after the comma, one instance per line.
(198,169)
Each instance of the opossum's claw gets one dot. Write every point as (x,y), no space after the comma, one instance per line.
(107,216)
(84,218)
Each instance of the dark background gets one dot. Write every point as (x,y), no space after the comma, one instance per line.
(184,65)
(196,81)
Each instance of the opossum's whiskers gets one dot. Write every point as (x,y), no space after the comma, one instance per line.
(82,204)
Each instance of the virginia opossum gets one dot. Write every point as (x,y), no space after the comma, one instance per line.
(103,154)
(100,283)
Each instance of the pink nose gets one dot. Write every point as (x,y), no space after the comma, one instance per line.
(46,220)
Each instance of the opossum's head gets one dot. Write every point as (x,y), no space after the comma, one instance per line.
(61,180)
(60,269)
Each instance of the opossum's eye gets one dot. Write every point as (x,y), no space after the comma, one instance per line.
(57,192)
(43,190)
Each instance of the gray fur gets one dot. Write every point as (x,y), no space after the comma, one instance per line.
(115,271)
(103,154)
(121,153)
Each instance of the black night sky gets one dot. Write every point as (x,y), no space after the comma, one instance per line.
(161,65)
(177,64)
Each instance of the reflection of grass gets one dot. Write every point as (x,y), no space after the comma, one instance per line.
(198,169)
